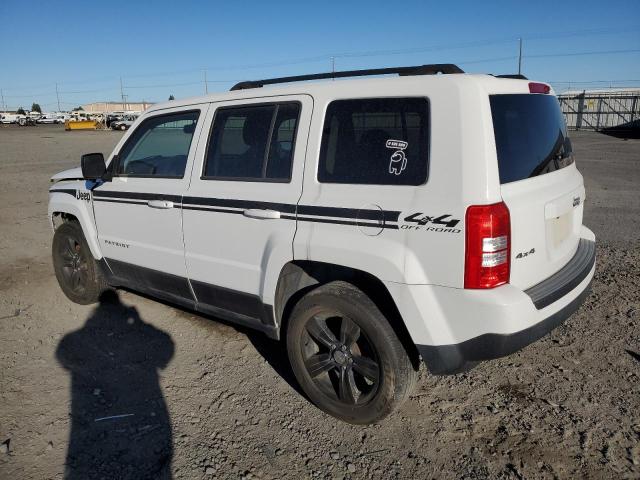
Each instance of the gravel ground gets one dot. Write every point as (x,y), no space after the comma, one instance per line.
(203,399)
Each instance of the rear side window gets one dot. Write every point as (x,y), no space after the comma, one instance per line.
(159,147)
(252,143)
(531,135)
(376,141)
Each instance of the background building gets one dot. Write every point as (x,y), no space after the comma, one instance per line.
(105,107)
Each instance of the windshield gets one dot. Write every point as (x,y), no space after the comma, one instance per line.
(531,135)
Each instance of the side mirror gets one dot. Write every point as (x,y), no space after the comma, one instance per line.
(93,166)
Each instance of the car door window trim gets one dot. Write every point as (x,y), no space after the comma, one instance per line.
(277,106)
(118,157)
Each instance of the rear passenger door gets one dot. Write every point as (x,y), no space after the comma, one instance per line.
(366,202)
(239,212)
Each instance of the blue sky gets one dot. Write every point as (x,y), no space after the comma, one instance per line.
(160,48)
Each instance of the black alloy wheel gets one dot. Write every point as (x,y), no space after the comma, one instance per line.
(339,358)
(346,356)
(77,272)
(74,264)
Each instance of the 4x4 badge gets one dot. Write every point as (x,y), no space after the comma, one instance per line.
(441,220)
(398,159)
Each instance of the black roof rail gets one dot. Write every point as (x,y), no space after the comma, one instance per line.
(515,76)
(434,69)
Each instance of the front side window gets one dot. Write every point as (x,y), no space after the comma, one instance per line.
(252,143)
(159,147)
(376,141)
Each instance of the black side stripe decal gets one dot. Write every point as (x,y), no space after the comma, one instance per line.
(306,213)
(70,191)
(392,226)
(243,204)
(136,196)
(211,209)
(132,202)
(389,216)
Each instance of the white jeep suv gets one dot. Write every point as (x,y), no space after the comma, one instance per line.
(370,223)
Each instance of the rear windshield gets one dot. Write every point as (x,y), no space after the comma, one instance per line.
(531,135)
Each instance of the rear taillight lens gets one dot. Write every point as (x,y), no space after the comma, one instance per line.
(488,246)
(535,87)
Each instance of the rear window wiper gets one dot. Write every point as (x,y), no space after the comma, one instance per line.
(560,150)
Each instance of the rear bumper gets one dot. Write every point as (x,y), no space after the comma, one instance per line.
(463,327)
(449,359)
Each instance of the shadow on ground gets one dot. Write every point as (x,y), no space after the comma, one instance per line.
(120,426)
(273,351)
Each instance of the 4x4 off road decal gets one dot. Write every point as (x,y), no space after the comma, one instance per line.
(431,223)
(398,159)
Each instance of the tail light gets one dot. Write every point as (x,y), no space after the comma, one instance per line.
(488,246)
(535,87)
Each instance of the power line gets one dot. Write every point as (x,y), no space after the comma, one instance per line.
(593,82)
(576,54)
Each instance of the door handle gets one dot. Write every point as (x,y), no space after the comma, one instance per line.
(263,214)
(160,204)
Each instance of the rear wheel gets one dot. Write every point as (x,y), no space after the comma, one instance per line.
(76,270)
(346,356)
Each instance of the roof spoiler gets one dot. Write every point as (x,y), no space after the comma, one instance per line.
(515,76)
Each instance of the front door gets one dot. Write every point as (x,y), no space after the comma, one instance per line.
(138,214)
(239,213)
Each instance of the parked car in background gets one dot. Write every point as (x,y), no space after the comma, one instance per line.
(112,118)
(26,121)
(46,118)
(7,118)
(123,124)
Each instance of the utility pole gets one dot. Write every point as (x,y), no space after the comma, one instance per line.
(122,94)
(4,106)
(333,66)
(206,87)
(520,57)
(58,96)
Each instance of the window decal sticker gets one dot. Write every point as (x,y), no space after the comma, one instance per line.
(398,159)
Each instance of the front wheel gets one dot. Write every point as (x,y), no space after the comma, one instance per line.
(346,356)
(76,270)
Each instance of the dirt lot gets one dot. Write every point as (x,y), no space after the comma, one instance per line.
(203,399)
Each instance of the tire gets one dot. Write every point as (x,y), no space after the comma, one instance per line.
(123,127)
(346,356)
(76,270)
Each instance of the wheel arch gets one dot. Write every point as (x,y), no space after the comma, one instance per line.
(299,277)
(64,207)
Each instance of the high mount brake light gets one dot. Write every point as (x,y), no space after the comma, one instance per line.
(535,87)
(488,246)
